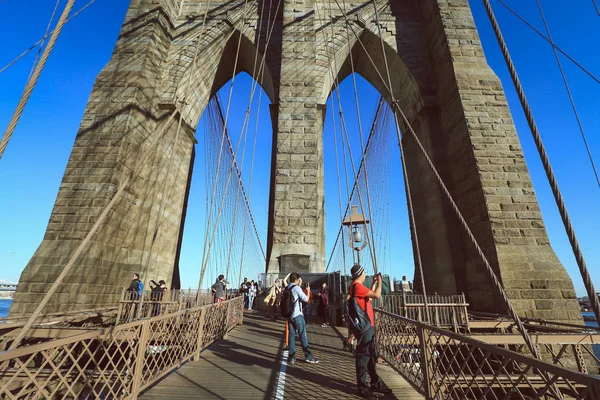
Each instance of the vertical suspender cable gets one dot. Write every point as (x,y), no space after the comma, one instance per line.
(587,280)
(411,213)
(450,199)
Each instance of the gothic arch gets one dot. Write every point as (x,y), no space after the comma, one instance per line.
(220,58)
(405,87)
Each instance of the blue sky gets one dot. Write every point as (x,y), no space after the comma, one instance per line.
(32,167)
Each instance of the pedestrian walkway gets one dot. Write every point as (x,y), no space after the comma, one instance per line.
(247,365)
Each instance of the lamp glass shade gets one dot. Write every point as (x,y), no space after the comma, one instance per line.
(356,236)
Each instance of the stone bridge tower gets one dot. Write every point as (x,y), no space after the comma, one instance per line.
(166,59)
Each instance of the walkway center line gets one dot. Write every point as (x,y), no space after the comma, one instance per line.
(281,380)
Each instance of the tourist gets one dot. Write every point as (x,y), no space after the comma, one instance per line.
(272,298)
(251,294)
(324,304)
(220,289)
(296,319)
(366,353)
(136,287)
(157,295)
(307,292)
(244,290)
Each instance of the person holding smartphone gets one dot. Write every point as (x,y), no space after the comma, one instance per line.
(366,353)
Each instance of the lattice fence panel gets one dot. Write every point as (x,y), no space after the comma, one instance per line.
(114,362)
(445,365)
(97,365)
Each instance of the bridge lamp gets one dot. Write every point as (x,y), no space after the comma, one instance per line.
(356,224)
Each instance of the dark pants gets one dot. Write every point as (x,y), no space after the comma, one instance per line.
(275,311)
(297,324)
(366,359)
(323,312)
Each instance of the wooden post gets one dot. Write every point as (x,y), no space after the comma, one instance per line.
(242,315)
(120,307)
(426,363)
(200,333)
(140,360)
(227,318)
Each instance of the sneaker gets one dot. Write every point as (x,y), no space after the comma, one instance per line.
(292,361)
(366,394)
(380,388)
(324,325)
(312,360)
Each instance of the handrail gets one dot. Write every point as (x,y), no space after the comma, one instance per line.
(443,364)
(119,361)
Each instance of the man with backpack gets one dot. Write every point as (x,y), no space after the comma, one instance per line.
(136,287)
(291,309)
(362,323)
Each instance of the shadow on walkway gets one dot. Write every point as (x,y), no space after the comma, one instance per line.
(246,365)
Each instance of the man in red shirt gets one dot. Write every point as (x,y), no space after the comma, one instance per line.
(366,354)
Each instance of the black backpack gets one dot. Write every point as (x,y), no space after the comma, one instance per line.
(357,318)
(287,302)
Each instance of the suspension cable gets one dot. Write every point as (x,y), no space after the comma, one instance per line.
(34,77)
(344,132)
(411,212)
(142,162)
(43,39)
(587,280)
(139,163)
(568,89)
(596,7)
(530,26)
(209,242)
(362,147)
(339,186)
(449,197)
(41,48)
(162,207)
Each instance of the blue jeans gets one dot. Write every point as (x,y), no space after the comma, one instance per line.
(306,310)
(250,301)
(297,324)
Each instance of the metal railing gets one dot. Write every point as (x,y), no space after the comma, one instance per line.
(117,362)
(448,312)
(445,365)
(133,306)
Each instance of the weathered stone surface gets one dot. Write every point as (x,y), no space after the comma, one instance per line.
(299,51)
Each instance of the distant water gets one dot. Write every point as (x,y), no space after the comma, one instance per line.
(590,323)
(4,307)
(595,347)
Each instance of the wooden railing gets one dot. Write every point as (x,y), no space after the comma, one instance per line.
(448,312)
(117,362)
(445,365)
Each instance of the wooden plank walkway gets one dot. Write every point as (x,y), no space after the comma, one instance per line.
(246,365)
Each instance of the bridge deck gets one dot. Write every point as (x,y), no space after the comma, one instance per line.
(247,366)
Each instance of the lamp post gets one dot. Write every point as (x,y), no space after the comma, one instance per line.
(356,224)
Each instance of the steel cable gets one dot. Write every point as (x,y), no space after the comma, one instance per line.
(34,77)
(587,280)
